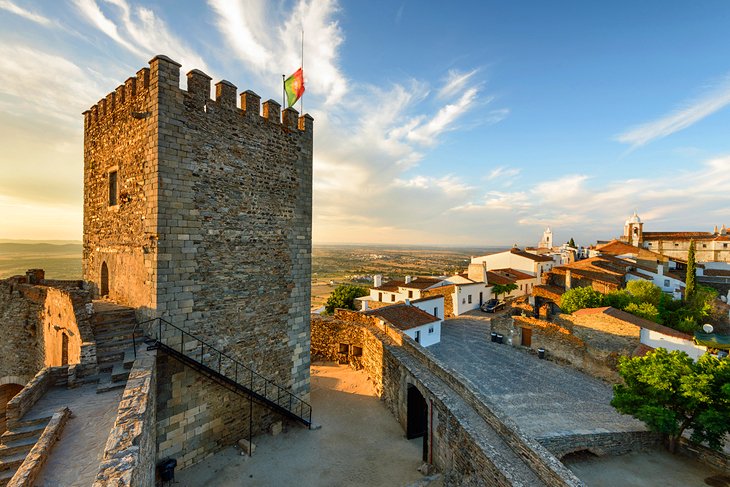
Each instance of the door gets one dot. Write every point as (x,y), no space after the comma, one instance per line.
(526,337)
(481,298)
(417,418)
(104,291)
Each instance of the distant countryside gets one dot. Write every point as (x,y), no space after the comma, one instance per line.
(331,264)
(59,260)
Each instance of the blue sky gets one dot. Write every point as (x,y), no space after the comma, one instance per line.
(469,123)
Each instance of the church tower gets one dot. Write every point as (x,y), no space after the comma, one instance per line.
(634,230)
(547,239)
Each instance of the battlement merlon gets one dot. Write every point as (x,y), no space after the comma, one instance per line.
(164,73)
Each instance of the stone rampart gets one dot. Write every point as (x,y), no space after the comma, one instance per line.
(601,444)
(459,449)
(130,452)
(35,389)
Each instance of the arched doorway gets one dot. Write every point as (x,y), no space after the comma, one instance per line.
(7,392)
(104,291)
(417,418)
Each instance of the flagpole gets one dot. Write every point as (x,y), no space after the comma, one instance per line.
(301,100)
(283,91)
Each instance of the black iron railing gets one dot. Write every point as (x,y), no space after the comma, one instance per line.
(160,333)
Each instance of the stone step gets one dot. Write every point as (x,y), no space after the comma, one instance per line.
(31,420)
(105,319)
(12,462)
(119,373)
(23,432)
(129,359)
(106,384)
(9,448)
(113,335)
(104,350)
(6,475)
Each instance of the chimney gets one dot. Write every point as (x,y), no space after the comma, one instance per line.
(408,302)
(365,305)
(568,279)
(377,280)
(408,279)
(660,269)
(484,273)
(477,272)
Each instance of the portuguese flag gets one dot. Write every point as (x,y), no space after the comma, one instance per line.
(294,87)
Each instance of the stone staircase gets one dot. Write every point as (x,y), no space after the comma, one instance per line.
(113,326)
(16,443)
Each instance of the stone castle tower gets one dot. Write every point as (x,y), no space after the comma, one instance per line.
(199,212)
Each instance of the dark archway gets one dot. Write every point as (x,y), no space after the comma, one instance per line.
(104,291)
(7,392)
(417,418)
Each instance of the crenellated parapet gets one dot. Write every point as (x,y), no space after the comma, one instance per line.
(164,74)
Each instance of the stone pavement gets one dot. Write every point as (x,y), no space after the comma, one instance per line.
(74,459)
(545,399)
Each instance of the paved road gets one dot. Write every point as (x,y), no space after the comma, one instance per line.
(542,397)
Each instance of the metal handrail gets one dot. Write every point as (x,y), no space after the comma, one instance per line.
(291,403)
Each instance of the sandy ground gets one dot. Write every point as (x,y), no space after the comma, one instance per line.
(359,444)
(641,469)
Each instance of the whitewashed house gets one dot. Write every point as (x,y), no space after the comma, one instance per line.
(421,326)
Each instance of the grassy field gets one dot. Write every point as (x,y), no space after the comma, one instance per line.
(331,264)
(60,261)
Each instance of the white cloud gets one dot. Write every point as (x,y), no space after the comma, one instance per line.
(11,7)
(455,82)
(502,173)
(715,98)
(140,31)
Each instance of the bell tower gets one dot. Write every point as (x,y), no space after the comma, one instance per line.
(634,230)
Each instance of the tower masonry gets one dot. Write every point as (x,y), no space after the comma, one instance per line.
(198,211)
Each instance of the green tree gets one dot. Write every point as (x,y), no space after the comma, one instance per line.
(644,291)
(672,393)
(498,289)
(644,310)
(691,272)
(619,299)
(344,296)
(571,243)
(579,298)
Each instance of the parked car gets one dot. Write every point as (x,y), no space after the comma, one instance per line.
(492,306)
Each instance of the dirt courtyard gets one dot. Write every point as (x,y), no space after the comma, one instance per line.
(359,444)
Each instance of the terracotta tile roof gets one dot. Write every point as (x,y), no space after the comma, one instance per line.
(641,350)
(513,273)
(554,293)
(717,272)
(616,247)
(494,278)
(527,255)
(604,268)
(403,316)
(679,236)
(629,318)
(427,298)
(421,283)
(391,286)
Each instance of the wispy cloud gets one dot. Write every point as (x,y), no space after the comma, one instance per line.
(502,173)
(13,8)
(715,98)
(455,82)
(139,30)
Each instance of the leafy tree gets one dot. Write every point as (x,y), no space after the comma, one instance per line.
(644,291)
(571,243)
(619,299)
(344,297)
(671,393)
(691,272)
(579,298)
(498,289)
(644,310)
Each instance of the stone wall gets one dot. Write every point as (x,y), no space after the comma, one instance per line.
(560,344)
(458,447)
(120,134)
(35,389)
(39,322)
(447,292)
(715,459)
(197,416)
(130,452)
(601,444)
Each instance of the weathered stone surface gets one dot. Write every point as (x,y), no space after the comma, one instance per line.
(130,453)
(27,473)
(209,228)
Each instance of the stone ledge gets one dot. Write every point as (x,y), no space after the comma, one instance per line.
(36,458)
(34,390)
(130,453)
